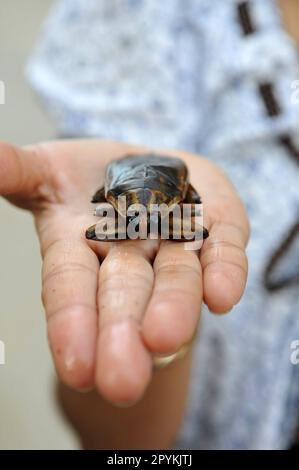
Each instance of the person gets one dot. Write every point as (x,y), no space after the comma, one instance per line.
(212,78)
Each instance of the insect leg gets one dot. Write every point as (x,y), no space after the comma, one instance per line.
(107,229)
(99,196)
(193,198)
(192,195)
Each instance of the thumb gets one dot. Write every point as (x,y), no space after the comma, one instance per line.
(22,170)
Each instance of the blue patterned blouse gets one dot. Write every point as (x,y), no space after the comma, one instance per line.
(201,75)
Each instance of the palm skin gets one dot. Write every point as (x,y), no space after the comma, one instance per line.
(111,306)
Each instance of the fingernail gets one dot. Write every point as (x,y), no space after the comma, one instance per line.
(85,390)
(125,404)
(222,312)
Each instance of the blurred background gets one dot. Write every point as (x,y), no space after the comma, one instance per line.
(29,418)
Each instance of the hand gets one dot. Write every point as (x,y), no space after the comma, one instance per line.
(109,306)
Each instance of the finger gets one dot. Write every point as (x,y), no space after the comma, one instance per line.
(125,285)
(22,171)
(222,256)
(70,277)
(224,264)
(173,311)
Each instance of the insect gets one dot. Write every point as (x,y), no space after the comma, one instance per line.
(146,179)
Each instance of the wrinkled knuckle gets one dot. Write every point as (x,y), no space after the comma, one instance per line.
(61,270)
(217,243)
(123,281)
(122,265)
(178,269)
(224,252)
(176,295)
(69,309)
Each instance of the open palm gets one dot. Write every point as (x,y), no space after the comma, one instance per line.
(111,306)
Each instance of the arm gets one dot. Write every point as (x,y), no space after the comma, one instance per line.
(151,423)
(105,322)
